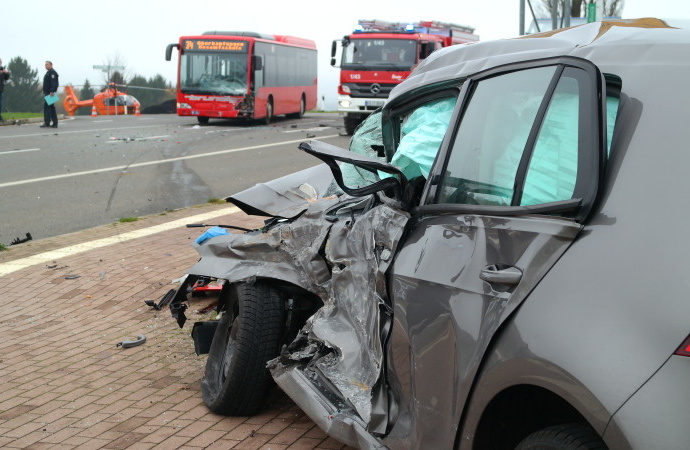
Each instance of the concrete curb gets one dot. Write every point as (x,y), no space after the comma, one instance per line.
(18,122)
(4,123)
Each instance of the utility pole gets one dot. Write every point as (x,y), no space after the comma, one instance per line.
(108,68)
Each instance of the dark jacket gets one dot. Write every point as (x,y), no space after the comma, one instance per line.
(3,77)
(50,82)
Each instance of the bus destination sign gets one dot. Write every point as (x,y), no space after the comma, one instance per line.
(211,45)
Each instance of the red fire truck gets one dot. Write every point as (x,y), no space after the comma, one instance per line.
(248,75)
(379,54)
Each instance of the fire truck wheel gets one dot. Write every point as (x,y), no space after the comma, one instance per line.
(202,120)
(249,334)
(351,125)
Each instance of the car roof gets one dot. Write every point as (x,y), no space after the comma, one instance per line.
(615,46)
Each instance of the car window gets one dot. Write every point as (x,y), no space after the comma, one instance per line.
(421,134)
(524,138)
(366,140)
(492,136)
(552,170)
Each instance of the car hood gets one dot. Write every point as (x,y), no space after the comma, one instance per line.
(286,197)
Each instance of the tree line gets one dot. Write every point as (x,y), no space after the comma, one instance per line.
(23,91)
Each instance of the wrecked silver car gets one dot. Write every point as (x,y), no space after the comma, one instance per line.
(494,263)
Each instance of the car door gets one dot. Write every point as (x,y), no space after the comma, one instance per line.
(516,176)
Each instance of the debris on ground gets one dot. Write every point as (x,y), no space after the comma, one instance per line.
(22,240)
(163,302)
(132,342)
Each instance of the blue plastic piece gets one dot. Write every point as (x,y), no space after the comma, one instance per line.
(211,232)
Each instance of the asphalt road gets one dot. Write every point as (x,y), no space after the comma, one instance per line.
(97,170)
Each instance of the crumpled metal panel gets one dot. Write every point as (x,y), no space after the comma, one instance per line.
(360,254)
(341,261)
(287,252)
(349,322)
(285,197)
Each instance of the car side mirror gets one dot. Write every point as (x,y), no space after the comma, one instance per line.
(332,156)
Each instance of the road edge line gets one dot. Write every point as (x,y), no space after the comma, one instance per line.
(10,267)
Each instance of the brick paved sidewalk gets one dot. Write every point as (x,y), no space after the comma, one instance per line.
(65,384)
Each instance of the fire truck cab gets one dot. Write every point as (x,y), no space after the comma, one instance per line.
(378,55)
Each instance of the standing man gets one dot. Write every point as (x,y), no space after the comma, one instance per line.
(50,86)
(4,76)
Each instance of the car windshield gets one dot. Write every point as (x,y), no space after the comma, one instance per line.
(375,54)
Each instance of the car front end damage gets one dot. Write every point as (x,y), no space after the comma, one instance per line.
(336,249)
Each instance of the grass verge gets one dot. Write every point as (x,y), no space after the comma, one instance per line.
(19,116)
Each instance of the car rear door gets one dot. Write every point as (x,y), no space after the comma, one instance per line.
(516,176)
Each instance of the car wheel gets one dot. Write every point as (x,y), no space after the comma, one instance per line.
(249,334)
(202,120)
(563,437)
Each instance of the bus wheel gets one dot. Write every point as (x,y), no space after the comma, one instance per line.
(302,108)
(269,112)
(202,120)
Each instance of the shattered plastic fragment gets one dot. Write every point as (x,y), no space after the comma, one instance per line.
(211,232)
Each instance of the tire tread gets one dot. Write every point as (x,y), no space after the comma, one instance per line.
(260,325)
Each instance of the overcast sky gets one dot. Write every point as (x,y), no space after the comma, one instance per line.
(77,34)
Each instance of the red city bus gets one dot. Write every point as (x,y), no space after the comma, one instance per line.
(246,75)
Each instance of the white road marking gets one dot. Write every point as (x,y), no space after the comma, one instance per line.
(20,151)
(316,121)
(297,130)
(19,264)
(97,130)
(153,163)
(147,138)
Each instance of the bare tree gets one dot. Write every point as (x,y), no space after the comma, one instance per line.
(578,8)
(116,61)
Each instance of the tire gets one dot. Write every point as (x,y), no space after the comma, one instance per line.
(572,436)
(236,381)
(302,108)
(351,125)
(202,120)
(269,112)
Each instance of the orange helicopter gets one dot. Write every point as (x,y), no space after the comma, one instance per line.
(106,103)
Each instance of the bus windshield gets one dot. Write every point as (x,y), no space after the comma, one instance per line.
(214,72)
(379,54)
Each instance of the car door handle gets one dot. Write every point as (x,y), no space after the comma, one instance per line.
(501,274)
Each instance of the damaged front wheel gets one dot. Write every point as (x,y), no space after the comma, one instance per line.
(249,334)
